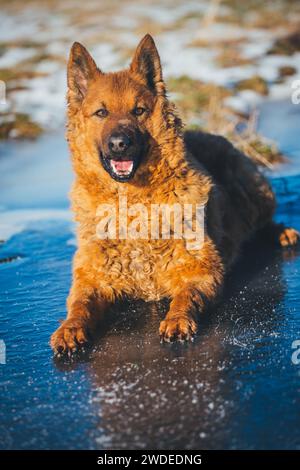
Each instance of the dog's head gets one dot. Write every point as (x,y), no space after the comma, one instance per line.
(116,109)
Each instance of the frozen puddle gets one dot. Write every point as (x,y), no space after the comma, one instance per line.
(234,387)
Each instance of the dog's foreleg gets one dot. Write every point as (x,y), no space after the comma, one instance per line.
(85,308)
(180,322)
(191,299)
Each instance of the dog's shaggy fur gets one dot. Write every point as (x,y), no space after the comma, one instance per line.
(168,166)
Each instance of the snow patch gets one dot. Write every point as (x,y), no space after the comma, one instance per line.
(13,222)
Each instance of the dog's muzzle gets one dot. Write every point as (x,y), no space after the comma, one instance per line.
(122,154)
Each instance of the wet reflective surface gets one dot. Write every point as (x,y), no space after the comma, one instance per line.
(234,387)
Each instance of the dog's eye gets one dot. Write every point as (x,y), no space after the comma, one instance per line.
(102,112)
(138,111)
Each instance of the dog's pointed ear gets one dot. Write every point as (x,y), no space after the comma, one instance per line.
(81,69)
(146,65)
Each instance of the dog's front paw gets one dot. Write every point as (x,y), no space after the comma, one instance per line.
(181,328)
(69,337)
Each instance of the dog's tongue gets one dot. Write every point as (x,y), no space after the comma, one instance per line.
(124,165)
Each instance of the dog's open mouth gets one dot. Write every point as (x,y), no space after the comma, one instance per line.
(119,169)
(122,168)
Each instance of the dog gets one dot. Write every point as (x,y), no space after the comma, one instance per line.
(127,140)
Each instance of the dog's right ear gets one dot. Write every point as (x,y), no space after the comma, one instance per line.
(81,69)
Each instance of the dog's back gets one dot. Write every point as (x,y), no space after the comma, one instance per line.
(247,200)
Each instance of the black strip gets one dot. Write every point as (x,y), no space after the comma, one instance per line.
(133,458)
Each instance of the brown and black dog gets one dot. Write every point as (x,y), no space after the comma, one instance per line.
(126,138)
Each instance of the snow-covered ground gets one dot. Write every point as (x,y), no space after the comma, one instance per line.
(38,36)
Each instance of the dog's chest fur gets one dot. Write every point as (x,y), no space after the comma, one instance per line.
(140,268)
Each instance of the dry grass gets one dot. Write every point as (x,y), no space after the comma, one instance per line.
(268,14)
(18,73)
(193,96)
(229,56)
(255,83)
(242,131)
(202,105)
(19,126)
(286,45)
(287,71)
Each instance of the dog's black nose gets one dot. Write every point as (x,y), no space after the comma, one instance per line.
(118,143)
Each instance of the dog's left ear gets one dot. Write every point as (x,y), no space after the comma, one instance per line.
(146,65)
